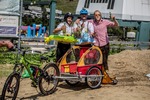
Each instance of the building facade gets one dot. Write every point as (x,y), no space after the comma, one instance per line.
(122,9)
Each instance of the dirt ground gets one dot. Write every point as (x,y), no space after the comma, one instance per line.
(129,67)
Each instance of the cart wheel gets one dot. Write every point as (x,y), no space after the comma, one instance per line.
(72,83)
(94,77)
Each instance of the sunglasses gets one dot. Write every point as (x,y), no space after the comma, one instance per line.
(97,15)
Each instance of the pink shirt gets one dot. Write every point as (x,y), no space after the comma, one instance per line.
(100,28)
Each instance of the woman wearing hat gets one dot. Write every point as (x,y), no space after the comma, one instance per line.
(64,28)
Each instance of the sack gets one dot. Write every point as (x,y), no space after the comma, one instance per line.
(25,74)
(85,37)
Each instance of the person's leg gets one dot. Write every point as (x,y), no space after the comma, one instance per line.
(61,50)
(67,47)
(105,52)
(107,49)
(58,51)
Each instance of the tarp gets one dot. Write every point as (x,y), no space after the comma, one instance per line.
(10,7)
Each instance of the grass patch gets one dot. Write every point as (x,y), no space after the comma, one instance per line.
(66,5)
(5,73)
(6,69)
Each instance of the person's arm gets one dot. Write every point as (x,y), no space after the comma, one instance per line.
(63,28)
(91,29)
(75,27)
(59,28)
(111,23)
(77,21)
(115,21)
(56,30)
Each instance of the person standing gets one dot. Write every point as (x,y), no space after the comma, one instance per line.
(65,28)
(100,34)
(84,28)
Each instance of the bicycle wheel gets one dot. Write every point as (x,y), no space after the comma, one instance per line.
(11,87)
(48,83)
(94,77)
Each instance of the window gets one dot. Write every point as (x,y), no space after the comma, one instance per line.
(105,1)
(99,1)
(87,3)
(93,1)
(102,1)
(146,2)
(111,4)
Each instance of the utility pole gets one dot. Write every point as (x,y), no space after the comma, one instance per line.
(52,16)
(20,24)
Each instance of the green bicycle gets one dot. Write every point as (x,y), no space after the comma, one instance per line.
(41,77)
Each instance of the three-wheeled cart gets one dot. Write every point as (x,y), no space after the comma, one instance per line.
(82,64)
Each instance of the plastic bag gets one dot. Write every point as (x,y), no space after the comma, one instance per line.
(85,37)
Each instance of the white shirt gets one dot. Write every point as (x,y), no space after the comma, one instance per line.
(88,27)
(69,29)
